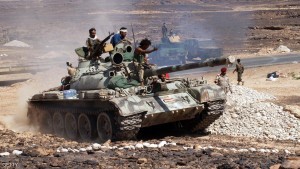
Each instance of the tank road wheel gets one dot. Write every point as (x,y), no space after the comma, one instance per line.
(71,126)
(58,124)
(84,127)
(104,127)
(45,122)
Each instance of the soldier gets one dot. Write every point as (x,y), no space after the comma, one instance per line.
(240,70)
(139,57)
(118,37)
(222,80)
(164,30)
(92,41)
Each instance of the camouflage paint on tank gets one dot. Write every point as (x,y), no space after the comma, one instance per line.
(207,93)
(164,108)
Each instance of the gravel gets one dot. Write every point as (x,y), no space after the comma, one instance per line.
(250,113)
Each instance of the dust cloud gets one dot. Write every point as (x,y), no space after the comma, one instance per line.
(15,116)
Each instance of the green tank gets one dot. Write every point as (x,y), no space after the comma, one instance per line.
(106,101)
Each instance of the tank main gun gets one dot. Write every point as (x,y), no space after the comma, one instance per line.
(207,63)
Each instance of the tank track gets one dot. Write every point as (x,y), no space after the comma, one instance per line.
(128,127)
(124,127)
(213,111)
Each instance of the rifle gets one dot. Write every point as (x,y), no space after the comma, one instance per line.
(99,47)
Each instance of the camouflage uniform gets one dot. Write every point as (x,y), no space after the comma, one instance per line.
(240,70)
(139,61)
(90,43)
(223,82)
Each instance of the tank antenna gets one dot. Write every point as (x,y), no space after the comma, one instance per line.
(133,36)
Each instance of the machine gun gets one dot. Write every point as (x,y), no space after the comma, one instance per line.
(98,48)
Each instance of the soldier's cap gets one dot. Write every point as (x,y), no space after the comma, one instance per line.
(223,69)
(123,29)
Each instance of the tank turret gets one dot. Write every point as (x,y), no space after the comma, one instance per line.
(106,101)
(94,74)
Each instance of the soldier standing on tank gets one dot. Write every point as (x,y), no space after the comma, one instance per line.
(222,80)
(92,41)
(139,58)
(119,36)
(164,30)
(240,70)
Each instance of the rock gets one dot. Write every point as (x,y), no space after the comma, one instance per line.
(89,148)
(142,160)
(130,147)
(76,150)
(96,146)
(4,154)
(234,115)
(283,49)
(17,152)
(291,163)
(139,145)
(146,144)
(107,143)
(82,149)
(197,147)
(275,151)
(64,150)
(161,144)
(276,166)
(152,146)
(38,152)
(242,150)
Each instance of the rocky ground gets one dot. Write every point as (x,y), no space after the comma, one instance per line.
(259,129)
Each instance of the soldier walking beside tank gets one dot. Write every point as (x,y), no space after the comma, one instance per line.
(139,57)
(222,80)
(119,36)
(240,70)
(164,30)
(92,41)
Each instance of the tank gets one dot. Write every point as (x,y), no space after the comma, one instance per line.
(105,101)
(173,51)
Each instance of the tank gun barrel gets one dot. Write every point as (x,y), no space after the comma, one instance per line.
(176,68)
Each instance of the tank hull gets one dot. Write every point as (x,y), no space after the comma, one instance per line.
(126,114)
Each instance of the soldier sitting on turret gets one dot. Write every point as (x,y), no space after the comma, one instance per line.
(92,41)
(139,57)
